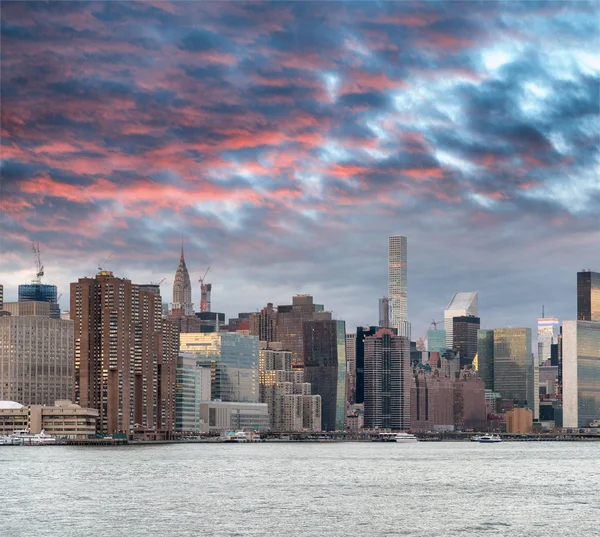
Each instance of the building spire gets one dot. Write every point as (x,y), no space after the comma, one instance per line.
(181,259)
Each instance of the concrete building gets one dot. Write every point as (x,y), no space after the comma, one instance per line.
(463,304)
(264,324)
(125,355)
(234,416)
(36,355)
(516,374)
(588,296)
(547,335)
(350,369)
(387,381)
(519,421)
(193,388)
(233,361)
(432,401)
(1,296)
(485,357)
(325,368)
(436,340)
(41,292)
(464,338)
(470,410)
(398,283)
(359,346)
(580,373)
(182,289)
(385,312)
(63,419)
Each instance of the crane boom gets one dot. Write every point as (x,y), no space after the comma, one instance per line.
(38,262)
(201,280)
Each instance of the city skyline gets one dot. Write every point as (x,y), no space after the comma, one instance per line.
(286,142)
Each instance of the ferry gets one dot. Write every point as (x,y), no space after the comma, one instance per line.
(487,439)
(24,438)
(396,437)
(237,438)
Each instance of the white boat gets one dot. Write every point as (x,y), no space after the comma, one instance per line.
(24,438)
(238,437)
(406,437)
(487,439)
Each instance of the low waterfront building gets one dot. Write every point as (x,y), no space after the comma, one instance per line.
(64,419)
(232,416)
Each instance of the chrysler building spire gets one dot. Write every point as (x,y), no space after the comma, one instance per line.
(182,288)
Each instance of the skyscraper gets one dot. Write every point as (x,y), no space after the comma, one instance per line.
(516,374)
(580,373)
(384,312)
(41,292)
(125,354)
(182,289)
(1,296)
(388,381)
(464,338)
(485,357)
(462,305)
(436,340)
(36,355)
(398,283)
(547,334)
(325,368)
(351,368)
(359,345)
(588,296)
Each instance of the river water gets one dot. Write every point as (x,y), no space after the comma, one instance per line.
(289,489)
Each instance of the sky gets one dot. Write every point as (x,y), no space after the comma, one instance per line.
(284,142)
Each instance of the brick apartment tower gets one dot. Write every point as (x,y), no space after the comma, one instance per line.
(125,354)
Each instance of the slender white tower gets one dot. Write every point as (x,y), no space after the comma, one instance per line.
(398,283)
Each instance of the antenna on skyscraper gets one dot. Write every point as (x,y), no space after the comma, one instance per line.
(100,265)
(543,317)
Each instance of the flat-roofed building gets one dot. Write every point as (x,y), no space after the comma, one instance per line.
(234,416)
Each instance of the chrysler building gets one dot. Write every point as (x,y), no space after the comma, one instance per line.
(182,290)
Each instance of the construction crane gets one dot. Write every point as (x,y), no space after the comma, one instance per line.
(38,263)
(434,323)
(205,292)
(158,283)
(201,280)
(100,265)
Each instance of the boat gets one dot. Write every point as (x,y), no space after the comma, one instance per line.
(487,439)
(406,437)
(24,438)
(386,437)
(237,437)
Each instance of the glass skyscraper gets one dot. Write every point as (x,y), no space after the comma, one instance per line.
(485,357)
(41,292)
(398,283)
(463,304)
(233,360)
(547,335)
(588,296)
(436,340)
(192,388)
(581,373)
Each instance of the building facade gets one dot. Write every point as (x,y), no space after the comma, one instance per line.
(485,357)
(464,338)
(580,373)
(588,296)
(547,335)
(463,304)
(436,340)
(233,360)
(387,381)
(192,388)
(325,368)
(385,312)
(125,355)
(351,369)
(516,374)
(36,355)
(182,289)
(234,416)
(41,292)
(398,283)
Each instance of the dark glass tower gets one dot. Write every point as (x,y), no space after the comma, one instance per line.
(41,292)
(361,334)
(588,296)
(485,357)
(464,338)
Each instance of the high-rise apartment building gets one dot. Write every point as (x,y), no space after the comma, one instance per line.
(398,283)
(464,338)
(233,360)
(125,355)
(580,373)
(384,312)
(359,345)
(182,289)
(588,296)
(485,357)
(264,323)
(388,381)
(36,355)
(325,368)
(463,304)
(547,335)
(41,292)
(436,340)
(1,296)
(516,374)
(351,368)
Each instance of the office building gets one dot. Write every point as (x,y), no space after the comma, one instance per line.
(463,304)
(351,369)
(485,357)
(182,289)
(192,388)
(36,355)
(384,312)
(264,324)
(432,401)
(233,360)
(359,345)
(387,381)
(234,416)
(547,335)
(588,296)
(41,292)
(436,340)
(325,368)
(61,419)
(125,355)
(516,373)
(464,338)
(291,405)
(580,373)
(398,284)
(470,411)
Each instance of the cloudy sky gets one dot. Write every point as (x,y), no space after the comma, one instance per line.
(286,141)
